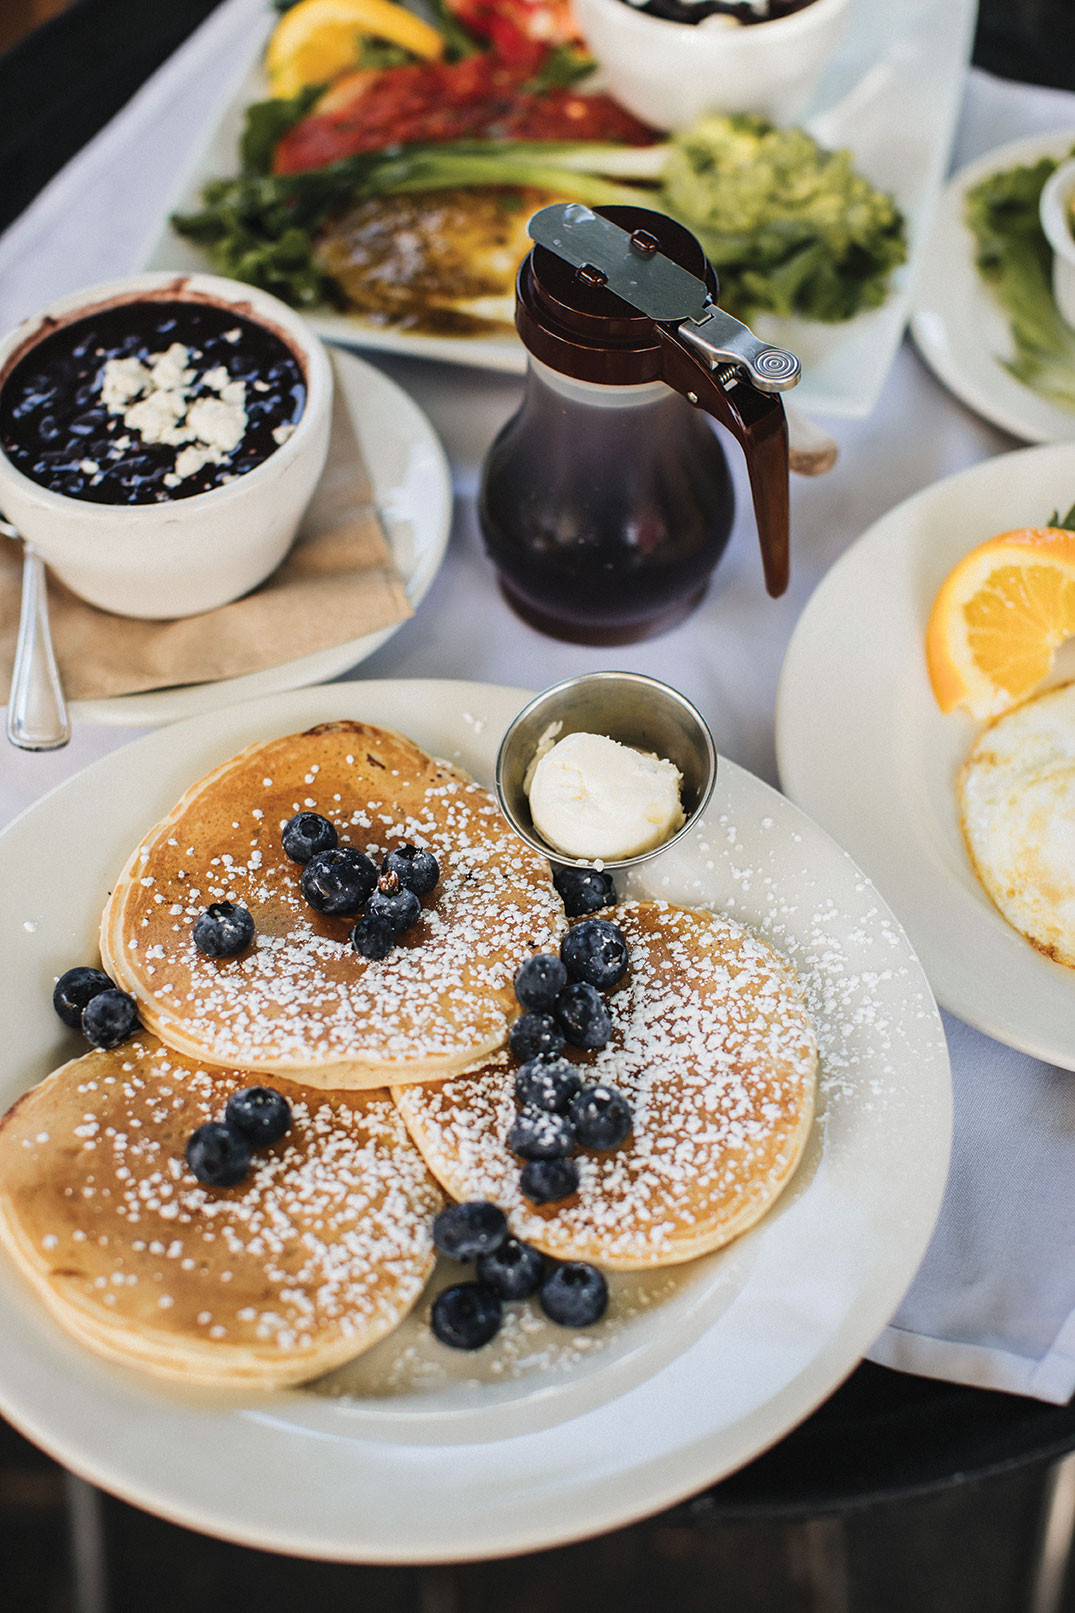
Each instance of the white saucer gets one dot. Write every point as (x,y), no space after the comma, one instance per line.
(412,488)
(958,327)
(421,1454)
(863,747)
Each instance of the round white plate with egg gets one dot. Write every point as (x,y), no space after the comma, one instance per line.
(416,1453)
(864,748)
(412,490)
(958,327)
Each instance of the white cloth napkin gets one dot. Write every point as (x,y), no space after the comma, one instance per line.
(994,1301)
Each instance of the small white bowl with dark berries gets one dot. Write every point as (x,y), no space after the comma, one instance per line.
(677,62)
(161,437)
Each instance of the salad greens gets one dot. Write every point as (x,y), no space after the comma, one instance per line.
(262,228)
(1015,261)
(266,124)
(790,227)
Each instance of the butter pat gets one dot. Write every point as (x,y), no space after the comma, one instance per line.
(592,797)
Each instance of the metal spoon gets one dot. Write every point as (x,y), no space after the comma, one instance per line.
(37,711)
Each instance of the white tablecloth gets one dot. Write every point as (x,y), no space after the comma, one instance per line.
(994,1301)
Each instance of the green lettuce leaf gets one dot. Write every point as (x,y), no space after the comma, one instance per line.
(1015,261)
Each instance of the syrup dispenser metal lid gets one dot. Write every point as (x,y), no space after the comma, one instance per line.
(631,264)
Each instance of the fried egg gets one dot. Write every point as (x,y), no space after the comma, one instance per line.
(1017,808)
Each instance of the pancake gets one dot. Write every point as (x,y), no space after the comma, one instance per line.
(300,1002)
(1017,810)
(714,1049)
(318,1253)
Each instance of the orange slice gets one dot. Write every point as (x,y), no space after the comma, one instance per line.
(999,618)
(319,39)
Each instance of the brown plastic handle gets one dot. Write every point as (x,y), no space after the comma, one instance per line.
(758,423)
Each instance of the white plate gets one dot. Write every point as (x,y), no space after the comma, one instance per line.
(412,489)
(957,325)
(891,92)
(545,1436)
(863,747)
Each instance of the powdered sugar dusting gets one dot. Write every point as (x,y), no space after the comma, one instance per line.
(714,1050)
(301,997)
(413,1363)
(326,1242)
(851,972)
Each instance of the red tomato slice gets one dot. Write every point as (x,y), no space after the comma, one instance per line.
(481,97)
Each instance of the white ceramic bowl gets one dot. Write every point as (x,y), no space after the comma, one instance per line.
(1054,209)
(184,555)
(672,73)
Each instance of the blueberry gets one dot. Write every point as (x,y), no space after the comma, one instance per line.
(339,881)
(217,1155)
(413,867)
(109,1018)
(535,1036)
(513,1271)
(545,1180)
(601,1117)
(394,904)
(465,1231)
(467,1315)
(539,981)
(261,1113)
(584,890)
(537,1134)
(73,991)
(306,834)
(595,951)
(574,1294)
(583,1017)
(224,929)
(373,938)
(546,1084)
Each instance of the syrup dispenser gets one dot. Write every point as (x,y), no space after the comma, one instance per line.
(606,500)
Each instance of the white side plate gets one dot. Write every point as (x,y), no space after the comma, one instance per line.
(958,327)
(863,747)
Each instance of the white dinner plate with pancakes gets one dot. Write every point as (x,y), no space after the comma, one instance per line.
(412,490)
(864,748)
(413,1452)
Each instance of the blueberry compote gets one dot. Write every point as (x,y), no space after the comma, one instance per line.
(150,400)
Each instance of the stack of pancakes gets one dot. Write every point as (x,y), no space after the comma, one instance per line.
(326,1244)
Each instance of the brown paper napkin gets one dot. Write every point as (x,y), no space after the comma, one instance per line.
(337,582)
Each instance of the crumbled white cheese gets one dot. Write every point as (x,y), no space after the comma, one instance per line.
(123,380)
(170,370)
(154,401)
(190,460)
(217,424)
(156,417)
